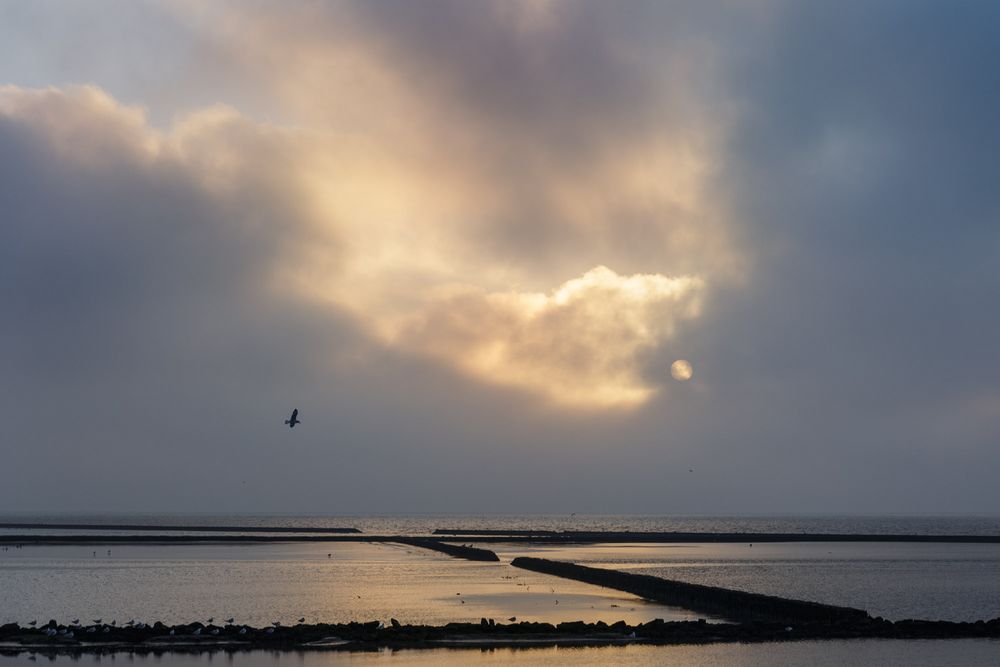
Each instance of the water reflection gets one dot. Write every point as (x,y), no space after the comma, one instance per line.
(817,654)
(258,584)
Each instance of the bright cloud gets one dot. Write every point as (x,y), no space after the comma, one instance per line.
(580,345)
(452,226)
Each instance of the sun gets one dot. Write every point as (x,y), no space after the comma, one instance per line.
(681,370)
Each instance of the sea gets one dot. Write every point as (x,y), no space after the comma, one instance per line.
(258,584)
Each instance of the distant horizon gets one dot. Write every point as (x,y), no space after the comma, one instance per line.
(9,513)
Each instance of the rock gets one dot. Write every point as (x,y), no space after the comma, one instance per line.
(575,627)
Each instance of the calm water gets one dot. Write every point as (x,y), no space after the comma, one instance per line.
(958,582)
(816,654)
(258,584)
(338,582)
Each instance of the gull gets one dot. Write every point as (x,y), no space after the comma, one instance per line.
(230,620)
(512,619)
(98,620)
(302,620)
(76,621)
(211,619)
(32,623)
(269,631)
(243,630)
(171,632)
(197,631)
(93,630)
(276,624)
(294,419)
(215,631)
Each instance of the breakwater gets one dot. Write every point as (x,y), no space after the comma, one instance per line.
(157,638)
(723,602)
(481,532)
(597,537)
(455,550)
(175,528)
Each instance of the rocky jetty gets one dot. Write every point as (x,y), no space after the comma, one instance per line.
(456,550)
(157,637)
(599,537)
(480,532)
(172,528)
(722,602)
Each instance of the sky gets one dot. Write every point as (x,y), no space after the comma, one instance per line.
(519,256)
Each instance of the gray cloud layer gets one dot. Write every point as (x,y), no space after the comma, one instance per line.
(843,216)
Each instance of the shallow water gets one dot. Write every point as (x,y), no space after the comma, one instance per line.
(969,652)
(261,583)
(956,582)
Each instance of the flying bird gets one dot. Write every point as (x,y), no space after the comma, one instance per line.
(294,420)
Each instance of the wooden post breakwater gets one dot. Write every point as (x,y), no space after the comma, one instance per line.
(722,602)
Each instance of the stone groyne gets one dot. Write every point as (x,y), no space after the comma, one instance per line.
(722,602)
(598,537)
(455,550)
(175,528)
(158,638)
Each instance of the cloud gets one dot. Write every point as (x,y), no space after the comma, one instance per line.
(397,213)
(581,345)
(277,202)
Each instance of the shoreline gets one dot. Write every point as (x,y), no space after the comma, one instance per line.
(373,635)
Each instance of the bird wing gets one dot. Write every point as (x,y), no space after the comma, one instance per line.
(295,413)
